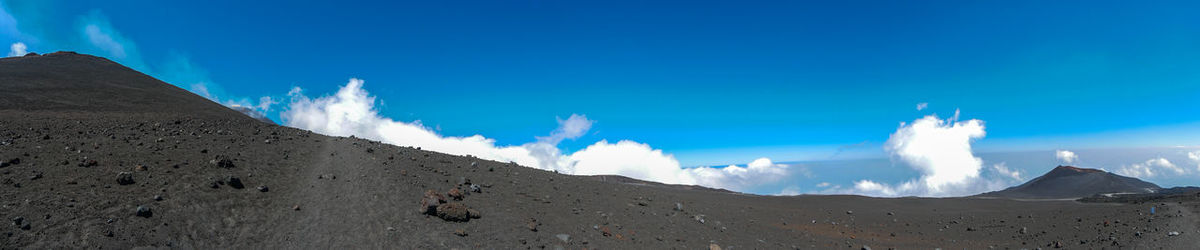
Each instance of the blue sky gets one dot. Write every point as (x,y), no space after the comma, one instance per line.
(712,83)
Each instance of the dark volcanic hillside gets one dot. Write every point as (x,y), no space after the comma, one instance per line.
(85,142)
(66,81)
(1071,182)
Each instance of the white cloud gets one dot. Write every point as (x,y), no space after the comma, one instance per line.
(941,151)
(1067,157)
(17,49)
(1003,170)
(823,184)
(265,103)
(1149,168)
(351,111)
(571,128)
(922,106)
(790,191)
(1195,156)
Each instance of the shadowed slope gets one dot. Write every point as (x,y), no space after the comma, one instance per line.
(66,81)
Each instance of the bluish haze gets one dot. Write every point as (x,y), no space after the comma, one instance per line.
(822,86)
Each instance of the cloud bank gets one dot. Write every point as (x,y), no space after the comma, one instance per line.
(1150,168)
(352,111)
(1067,157)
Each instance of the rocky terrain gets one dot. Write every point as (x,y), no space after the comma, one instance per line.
(99,156)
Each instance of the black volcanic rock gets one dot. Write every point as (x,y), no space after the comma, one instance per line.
(1072,182)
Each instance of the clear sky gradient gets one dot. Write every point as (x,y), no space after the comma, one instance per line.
(712,82)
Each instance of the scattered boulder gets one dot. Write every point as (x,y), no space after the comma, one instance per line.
(565,238)
(124,178)
(158,198)
(455,211)
(476,189)
(679,206)
(455,194)
(430,202)
(460,232)
(1173,233)
(141,168)
(263,188)
(143,211)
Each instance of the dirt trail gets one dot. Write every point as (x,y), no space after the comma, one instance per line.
(340,206)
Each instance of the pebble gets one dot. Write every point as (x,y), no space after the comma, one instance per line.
(1173,233)
(263,188)
(124,178)
(234,182)
(565,238)
(143,211)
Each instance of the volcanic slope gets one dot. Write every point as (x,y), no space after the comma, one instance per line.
(1067,182)
(77,165)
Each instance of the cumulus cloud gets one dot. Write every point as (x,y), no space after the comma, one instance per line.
(922,106)
(941,151)
(1150,168)
(17,49)
(1067,157)
(352,111)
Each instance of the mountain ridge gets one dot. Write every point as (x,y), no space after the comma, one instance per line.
(1074,182)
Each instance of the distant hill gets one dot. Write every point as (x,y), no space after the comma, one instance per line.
(1073,182)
